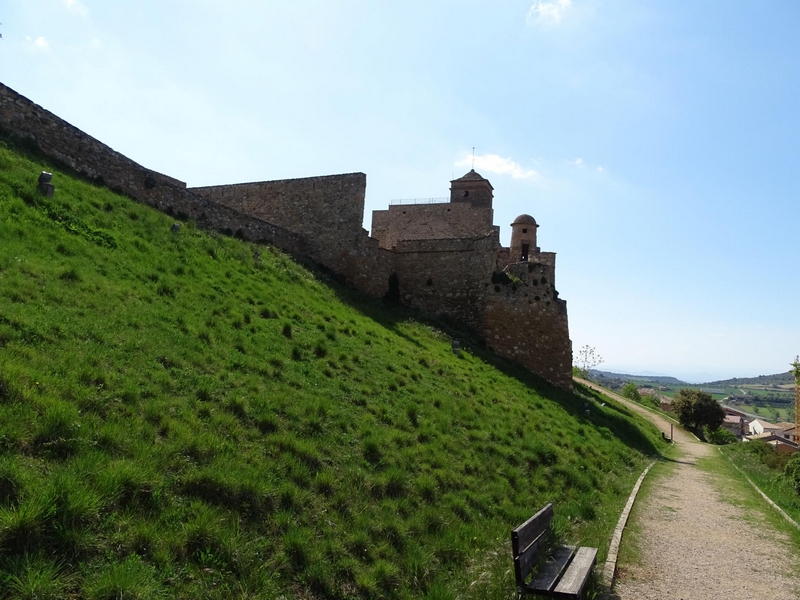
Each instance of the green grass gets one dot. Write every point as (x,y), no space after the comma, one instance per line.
(770,413)
(768,477)
(181,419)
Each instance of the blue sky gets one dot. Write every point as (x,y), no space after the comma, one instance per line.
(654,142)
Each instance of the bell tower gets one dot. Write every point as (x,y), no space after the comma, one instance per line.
(472,188)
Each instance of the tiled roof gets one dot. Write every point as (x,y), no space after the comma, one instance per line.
(472,176)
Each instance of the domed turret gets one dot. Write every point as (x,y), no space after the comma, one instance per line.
(523,238)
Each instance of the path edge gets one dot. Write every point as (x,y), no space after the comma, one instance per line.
(613,550)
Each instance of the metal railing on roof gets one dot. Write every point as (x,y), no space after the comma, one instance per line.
(420,201)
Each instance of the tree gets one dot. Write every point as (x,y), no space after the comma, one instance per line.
(792,472)
(696,409)
(588,359)
(630,391)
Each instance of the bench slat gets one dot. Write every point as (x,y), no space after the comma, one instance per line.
(575,578)
(531,530)
(526,561)
(550,572)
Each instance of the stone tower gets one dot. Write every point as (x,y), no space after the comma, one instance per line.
(472,188)
(523,238)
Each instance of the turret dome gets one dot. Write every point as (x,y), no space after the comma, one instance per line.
(524,220)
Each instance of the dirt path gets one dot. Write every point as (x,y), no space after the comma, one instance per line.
(696,546)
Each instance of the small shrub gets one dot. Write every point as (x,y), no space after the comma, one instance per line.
(792,472)
(630,391)
(720,436)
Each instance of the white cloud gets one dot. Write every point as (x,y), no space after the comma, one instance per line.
(40,42)
(548,13)
(578,162)
(600,169)
(497,164)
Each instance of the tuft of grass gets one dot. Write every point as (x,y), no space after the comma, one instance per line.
(70,275)
(35,577)
(131,579)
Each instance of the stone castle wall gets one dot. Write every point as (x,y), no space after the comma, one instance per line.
(320,218)
(328,209)
(447,277)
(430,222)
(527,321)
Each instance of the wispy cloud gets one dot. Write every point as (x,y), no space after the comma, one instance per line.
(578,162)
(493,163)
(549,13)
(39,42)
(76,6)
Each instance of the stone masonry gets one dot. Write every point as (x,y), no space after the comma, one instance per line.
(443,259)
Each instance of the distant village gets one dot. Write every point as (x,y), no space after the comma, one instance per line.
(754,407)
(745,426)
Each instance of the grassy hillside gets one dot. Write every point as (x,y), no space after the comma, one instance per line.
(180,417)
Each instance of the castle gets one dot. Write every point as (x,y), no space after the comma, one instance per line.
(444,259)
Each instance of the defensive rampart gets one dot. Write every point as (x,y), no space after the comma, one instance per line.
(442,259)
(430,222)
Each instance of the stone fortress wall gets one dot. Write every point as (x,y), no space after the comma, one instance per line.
(443,259)
(440,221)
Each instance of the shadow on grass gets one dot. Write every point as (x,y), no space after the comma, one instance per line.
(390,315)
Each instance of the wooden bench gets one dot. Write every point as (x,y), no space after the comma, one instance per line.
(563,575)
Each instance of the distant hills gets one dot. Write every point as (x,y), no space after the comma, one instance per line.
(777,379)
(660,379)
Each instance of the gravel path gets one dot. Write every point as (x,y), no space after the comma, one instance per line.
(697,546)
